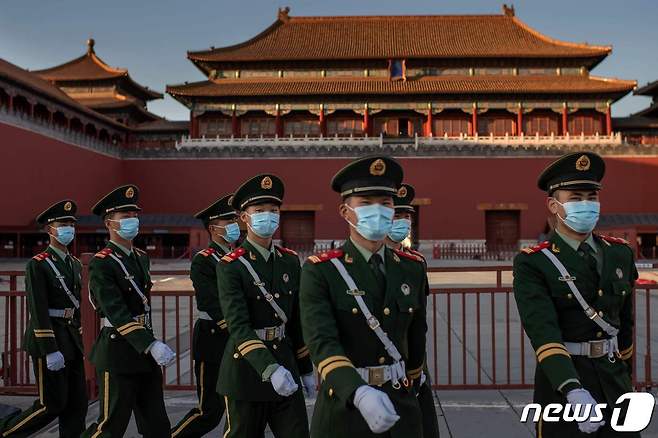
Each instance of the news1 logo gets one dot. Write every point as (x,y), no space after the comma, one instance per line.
(638,413)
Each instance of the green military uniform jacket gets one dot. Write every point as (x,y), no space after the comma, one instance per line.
(45,334)
(210,337)
(121,348)
(246,356)
(340,339)
(551,314)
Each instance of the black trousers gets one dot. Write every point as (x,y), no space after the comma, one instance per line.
(247,419)
(205,417)
(120,394)
(428,410)
(62,394)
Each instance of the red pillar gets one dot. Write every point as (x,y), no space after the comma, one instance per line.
(565,120)
(10,103)
(278,123)
(608,120)
(474,121)
(31,109)
(366,122)
(428,123)
(194,125)
(235,126)
(50,117)
(519,121)
(323,123)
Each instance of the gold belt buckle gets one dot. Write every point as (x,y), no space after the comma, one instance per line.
(270,333)
(596,349)
(376,376)
(68,313)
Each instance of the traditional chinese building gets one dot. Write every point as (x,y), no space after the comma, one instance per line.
(474,107)
(642,126)
(400,76)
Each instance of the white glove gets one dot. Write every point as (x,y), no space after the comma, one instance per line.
(283,382)
(309,382)
(55,361)
(583,397)
(162,354)
(376,408)
(423,378)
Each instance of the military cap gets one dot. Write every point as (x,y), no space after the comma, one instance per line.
(578,170)
(258,190)
(372,175)
(402,200)
(220,209)
(122,198)
(60,211)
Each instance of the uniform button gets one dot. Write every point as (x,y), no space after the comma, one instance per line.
(623,292)
(235,355)
(289,292)
(411,310)
(212,331)
(354,310)
(387,311)
(274,346)
(600,292)
(569,296)
(113,336)
(600,312)
(331,392)
(276,316)
(258,297)
(599,334)
(276,295)
(382,360)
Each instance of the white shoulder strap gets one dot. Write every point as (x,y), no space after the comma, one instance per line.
(60,277)
(131,279)
(261,286)
(589,311)
(373,323)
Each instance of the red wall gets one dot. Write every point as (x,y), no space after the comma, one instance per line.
(37,171)
(455,185)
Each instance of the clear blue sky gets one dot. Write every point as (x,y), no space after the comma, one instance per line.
(151,38)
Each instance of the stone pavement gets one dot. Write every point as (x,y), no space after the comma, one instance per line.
(461,413)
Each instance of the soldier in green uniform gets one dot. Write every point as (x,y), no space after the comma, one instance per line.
(399,234)
(573,293)
(363,315)
(210,334)
(126,354)
(53,335)
(259,294)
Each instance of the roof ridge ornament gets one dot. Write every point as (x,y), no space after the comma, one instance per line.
(282,15)
(508,10)
(90,46)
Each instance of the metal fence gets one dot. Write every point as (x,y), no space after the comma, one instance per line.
(475,339)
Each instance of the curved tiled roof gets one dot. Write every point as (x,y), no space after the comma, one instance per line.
(89,67)
(426,85)
(385,37)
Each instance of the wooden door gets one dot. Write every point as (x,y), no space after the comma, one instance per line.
(298,230)
(502,229)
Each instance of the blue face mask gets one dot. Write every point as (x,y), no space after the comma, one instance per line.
(264,224)
(400,230)
(582,216)
(374,221)
(128,227)
(231,232)
(64,234)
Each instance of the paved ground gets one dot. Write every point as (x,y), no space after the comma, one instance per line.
(461,414)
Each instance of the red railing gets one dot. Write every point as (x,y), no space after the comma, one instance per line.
(475,339)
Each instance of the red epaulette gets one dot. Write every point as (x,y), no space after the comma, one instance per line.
(536,248)
(416,253)
(103,253)
(409,255)
(42,256)
(325,255)
(287,251)
(611,239)
(234,255)
(207,252)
